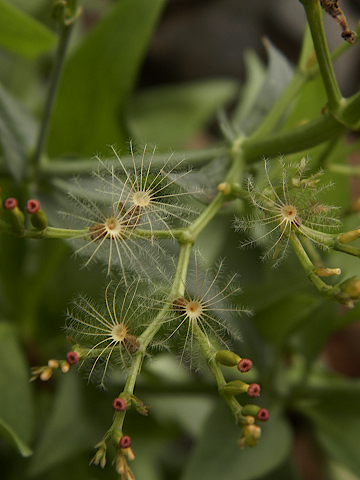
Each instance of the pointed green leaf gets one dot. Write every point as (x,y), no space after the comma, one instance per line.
(67,432)
(99,77)
(10,436)
(217,454)
(22,34)
(17,133)
(16,406)
(255,76)
(278,74)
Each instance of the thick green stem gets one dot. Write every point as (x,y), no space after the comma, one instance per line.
(295,140)
(314,16)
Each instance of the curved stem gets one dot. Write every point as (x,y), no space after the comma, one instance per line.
(65,33)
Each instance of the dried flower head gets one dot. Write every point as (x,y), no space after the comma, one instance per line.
(291,207)
(151,190)
(121,207)
(110,333)
(203,309)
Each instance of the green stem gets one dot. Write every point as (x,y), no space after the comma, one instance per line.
(149,333)
(209,353)
(65,33)
(308,265)
(314,16)
(295,140)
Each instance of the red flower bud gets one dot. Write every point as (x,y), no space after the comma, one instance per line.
(244,365)
(32,206)
(125,441)
(262,415)
(72,358)
(119,404)
(253,390)
(10,203)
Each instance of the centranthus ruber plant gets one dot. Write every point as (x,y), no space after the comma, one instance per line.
(109,263)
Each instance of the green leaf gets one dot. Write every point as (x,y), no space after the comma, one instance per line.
(67,432)
(280,319)
(171,115)
(16,405)
(255,76)
(10,436)
(17,133)
(335,415)
(217,454)
(99,77)
(22,34)
(278,74)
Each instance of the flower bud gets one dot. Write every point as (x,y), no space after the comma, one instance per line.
(227,358)
(46,374)
(100,456)
(244,365)
(52,363)
(125,441)
(38,217)
(253,390)
(235,387)
(17,217)
(327,272)
(65,367)
(349,291)
(262,415)
(72,358)
(350,236)
(250,409)
(119,404)
(251,434)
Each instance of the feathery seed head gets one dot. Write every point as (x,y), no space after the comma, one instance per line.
(111,333)
(203,308)
(290,208)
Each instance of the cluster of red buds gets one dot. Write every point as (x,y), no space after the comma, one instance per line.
(248,413)
(45,372)
(38,217)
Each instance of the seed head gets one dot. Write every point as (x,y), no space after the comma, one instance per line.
(204,307)
(110,333)
(291,207)
(152,190)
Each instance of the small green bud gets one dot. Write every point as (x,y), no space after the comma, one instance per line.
(349,291)
(250,410)
(350,236)
(327,272)
(227,358)
(235,387)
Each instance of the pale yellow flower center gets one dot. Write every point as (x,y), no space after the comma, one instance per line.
(142,199)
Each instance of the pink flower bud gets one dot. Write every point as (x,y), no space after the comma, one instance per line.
(262,415)
(72,358)
(125,441)
(253,390)
(10,203)
(32,206)
(244,365)
(119,404)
